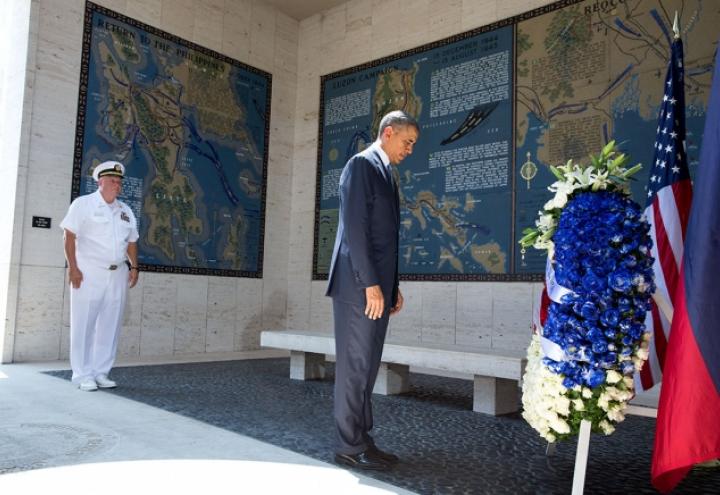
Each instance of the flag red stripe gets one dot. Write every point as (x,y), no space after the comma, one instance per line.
(659,336)
(544,306)
(646,377)
(682,191)
(665,252)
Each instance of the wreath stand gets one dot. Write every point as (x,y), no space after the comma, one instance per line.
(583,447)
(581,457)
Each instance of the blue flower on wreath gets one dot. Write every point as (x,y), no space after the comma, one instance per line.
(602,251)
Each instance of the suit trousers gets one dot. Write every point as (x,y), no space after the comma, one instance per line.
(358,348)
(96,313)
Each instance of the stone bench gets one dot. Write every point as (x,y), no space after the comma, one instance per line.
(495,373)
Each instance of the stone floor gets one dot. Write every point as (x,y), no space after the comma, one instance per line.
(445,448)
(58,440)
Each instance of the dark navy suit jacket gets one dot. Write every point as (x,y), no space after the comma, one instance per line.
(366,245)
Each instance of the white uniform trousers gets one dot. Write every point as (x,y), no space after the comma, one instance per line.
(96,314)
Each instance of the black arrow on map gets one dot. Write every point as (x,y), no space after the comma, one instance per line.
(477,116)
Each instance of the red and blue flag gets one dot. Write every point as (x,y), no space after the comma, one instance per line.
(688,420)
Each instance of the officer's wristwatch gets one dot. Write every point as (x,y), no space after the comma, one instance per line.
(135,268)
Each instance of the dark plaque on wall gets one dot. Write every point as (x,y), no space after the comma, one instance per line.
(41,222)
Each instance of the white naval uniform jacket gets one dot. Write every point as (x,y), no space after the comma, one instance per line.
(103,230)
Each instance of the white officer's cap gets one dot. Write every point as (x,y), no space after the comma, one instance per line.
(112,168)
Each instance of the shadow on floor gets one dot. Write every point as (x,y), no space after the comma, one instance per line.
(445,448)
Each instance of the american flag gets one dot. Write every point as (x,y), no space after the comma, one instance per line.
(669,194)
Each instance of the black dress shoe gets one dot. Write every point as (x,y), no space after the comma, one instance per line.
(363,460)
(385,456)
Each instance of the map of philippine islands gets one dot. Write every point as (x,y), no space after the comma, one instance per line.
(395,90)
(448,219)
(438,227)
(443,228)
(190,126)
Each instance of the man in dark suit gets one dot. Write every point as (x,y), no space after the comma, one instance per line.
(363,283)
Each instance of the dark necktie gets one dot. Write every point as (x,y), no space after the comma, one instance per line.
(389,174)
(388,171)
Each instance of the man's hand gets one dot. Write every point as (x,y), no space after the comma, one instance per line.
(75,277)
(375,302)
(399,304)
(133,278)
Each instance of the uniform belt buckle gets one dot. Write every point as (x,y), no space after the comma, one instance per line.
(112,267)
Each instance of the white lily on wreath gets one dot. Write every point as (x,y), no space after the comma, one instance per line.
(605,172)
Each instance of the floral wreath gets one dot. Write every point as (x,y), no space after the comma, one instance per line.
(599,280)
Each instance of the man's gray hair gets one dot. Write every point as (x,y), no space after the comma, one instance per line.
(395,119)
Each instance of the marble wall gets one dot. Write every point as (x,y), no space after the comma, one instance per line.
(492,315)
(15,108)
(166,314)
(171,315)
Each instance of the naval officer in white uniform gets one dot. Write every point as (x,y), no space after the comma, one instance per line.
(100,235)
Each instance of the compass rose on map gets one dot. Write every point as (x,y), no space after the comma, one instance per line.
(528,171)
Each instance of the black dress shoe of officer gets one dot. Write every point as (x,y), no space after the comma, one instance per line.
(385,456)
(363,460)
